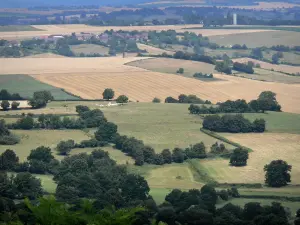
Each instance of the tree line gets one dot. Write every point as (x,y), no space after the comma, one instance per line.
(233,124)
(266,101)
(87,119)
(186,99)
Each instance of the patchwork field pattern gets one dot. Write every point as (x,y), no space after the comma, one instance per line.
(266,147)
(88,77)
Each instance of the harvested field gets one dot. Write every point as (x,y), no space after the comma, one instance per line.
(46,55)
(270,66)
(88,77)
(256,39)
(266,147)
(89,49)
(153,50)
(166,65)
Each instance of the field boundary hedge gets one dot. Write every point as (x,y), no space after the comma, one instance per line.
(275,197)
(221,138)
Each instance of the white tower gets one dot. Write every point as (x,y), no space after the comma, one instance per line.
(234,19)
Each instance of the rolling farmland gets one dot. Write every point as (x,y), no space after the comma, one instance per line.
(88,77)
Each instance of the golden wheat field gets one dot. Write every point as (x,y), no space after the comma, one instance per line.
(88,77)
(266,147)
(270,66)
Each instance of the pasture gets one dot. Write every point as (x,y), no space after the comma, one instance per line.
(159,125)
(257,39)
(27,85)
(288,57)
(266,147)
(17,28)
(270,66)
(269,76)
(89,49)
(34,138)
(88,77)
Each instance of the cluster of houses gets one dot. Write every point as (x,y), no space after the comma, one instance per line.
(103,37)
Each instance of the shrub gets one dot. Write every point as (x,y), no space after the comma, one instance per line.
(122,99)
(239,157)
(64,147)
(5,105)
(171,100)
(15,105)
(180,70)
(156,100)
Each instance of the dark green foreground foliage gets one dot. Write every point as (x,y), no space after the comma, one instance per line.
(92,189)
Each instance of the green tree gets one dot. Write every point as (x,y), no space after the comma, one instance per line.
(27,186)
(239,157)
(156,100)
(254,105)
(108,94)
(15,105)
(178,155)
(277,173)
(122,99)
(180,71)
(25,123)
(197,151)
(275,59)
(251,210)
(267,101)
(167,156)
(41,153)
(106,132)
(81,109)
(5,105)
(210,192)
(135,187)
(64,147)
(8,160)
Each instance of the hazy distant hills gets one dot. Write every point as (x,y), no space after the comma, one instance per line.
(30,3)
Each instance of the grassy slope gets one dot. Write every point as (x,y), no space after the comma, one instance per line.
(269,76)
(279,122)
(17,28)
(35,138)
(159,125)
(258,39)
(26,85)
